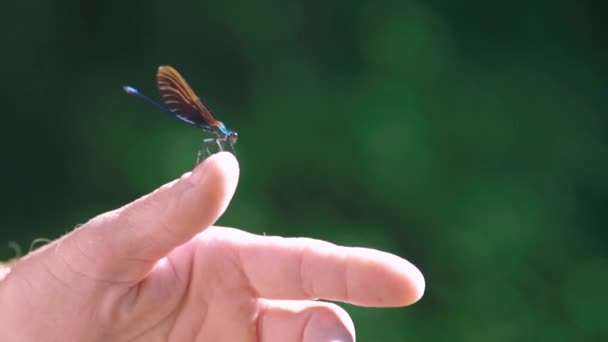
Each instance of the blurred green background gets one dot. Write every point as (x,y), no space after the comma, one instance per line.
(468,137)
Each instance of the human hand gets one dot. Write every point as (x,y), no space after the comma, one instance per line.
(153,271)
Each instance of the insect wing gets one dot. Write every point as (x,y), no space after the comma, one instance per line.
(181,99)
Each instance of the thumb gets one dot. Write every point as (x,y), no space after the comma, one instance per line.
(123,245)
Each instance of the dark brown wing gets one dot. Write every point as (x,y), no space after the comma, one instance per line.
(180,99)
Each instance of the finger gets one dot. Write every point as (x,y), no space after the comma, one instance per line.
(301,268)
(124,244)
(304,321)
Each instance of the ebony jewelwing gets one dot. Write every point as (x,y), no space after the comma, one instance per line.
(182,103)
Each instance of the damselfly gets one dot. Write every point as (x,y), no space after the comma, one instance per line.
(182,103)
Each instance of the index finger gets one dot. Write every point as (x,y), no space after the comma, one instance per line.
(125,244)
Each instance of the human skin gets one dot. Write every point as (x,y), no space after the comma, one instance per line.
(156,270)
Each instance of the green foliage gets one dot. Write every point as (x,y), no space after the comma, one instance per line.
(469,137)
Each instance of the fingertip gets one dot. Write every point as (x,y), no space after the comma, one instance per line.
(304,320)
(331,323)
(223,163)
(219,175)
(402,283)
(227,162)
(416,284)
